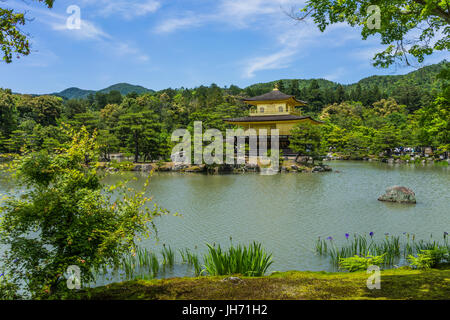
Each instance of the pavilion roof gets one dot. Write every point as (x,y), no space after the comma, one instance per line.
(274,95)
(283,117)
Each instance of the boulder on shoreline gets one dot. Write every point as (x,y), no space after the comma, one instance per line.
(399,194)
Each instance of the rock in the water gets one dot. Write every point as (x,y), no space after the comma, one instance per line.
(200,168)
(318,169)
(179,167)
(399,194)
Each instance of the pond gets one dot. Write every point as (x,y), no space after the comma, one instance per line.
(288,212)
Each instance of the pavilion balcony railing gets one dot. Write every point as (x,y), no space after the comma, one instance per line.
(280,132)
(266,113)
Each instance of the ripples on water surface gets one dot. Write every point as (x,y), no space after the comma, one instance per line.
(287,212)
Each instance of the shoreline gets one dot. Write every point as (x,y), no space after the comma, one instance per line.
(401,283)
(287,166)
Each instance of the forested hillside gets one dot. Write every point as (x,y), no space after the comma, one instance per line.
(366,118)
(123,88)
(412,89)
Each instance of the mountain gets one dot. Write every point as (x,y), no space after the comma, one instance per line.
(425,78)
(74,93)
(261,88)
(123,88)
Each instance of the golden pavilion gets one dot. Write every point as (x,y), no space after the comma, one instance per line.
(273,110)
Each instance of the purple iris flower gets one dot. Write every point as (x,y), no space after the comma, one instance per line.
(371,234)
(347,235)
(330,238)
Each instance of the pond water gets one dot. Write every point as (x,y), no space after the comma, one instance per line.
(288,212)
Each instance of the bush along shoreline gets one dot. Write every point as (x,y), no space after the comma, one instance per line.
(394,159)
(287,166)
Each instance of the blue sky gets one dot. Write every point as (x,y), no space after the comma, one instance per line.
(183,43)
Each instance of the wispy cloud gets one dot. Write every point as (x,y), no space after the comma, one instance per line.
(87,30)
(234,13)
(335,75)
(127,9)
(91,31)
(127,49)
(277,60)
(188,19)
(57,21)
(286,39)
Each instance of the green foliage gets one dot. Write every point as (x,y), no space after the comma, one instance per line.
(368,118)
(360,263)
(398,21)
(429,258)
(252,261)
(306,139)
(139,264)
(122,166)
(14,41)
(67,217)
(391,248)
(8,290)
(168,256)
(191,259)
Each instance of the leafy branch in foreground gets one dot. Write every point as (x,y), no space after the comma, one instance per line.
(67,217)
(12,39)
(414,28)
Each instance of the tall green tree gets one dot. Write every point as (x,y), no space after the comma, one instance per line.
(306,140)
(386,139)
(141,131)
(8,118)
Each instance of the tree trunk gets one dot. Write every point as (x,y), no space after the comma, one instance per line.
(136,148)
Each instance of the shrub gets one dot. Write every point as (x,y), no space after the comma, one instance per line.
(123,166)
(68,217)
(360,263)
(429,258)
(8,290)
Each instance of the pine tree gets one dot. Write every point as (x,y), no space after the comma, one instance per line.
(294,89)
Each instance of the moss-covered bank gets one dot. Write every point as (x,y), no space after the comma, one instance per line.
(402,283)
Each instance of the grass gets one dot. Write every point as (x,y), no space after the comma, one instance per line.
(250,261)
(168,256)
(402,283)
(142,264)
(191,259)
